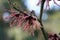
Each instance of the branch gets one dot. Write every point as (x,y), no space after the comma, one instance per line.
(13,6)
(41,11)
(40,20)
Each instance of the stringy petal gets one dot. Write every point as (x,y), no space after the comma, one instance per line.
(26,26)
(39,2)
(36,25)
(31,31)
(47,3)
(56,3)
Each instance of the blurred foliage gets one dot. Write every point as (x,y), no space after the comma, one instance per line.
(53,23)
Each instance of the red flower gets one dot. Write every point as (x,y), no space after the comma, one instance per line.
(53,36)
(27,22)
(14,17)
(47,2)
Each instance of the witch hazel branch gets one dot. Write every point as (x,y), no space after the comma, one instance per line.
(28,20)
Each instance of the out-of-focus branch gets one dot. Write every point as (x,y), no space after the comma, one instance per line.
(21,11)
(40,20)
(13,6)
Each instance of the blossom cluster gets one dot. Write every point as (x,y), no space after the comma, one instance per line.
(53,36)
(27,22)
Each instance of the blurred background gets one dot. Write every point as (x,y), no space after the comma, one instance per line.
(51,19)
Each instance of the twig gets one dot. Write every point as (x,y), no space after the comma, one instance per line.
(40,20)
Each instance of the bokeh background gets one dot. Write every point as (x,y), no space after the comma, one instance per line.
(51,19)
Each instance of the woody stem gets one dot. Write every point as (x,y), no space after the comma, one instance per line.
(40,20)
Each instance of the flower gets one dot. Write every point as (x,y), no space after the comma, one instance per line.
(15,18)
(27,22)
(47,3)
(53,36)
(31,24)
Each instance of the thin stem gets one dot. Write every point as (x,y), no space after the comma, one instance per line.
(13,6)
(41,13)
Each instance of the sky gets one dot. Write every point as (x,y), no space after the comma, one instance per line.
(31,5)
